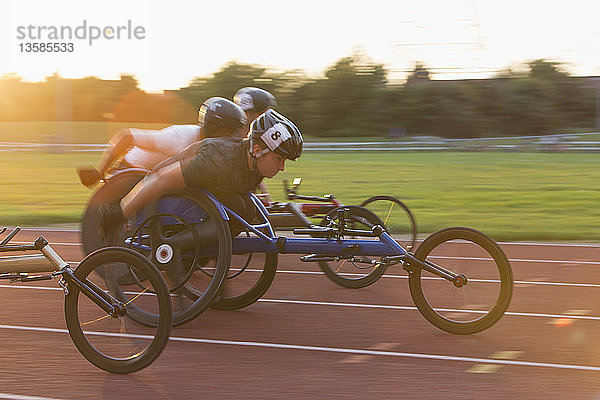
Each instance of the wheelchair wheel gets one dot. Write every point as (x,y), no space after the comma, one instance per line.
(113,190)
(119,344)
(240,290)
(479,303)
(348,273)
(397,218)
(185,236)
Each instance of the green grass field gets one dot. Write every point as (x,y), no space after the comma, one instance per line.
(65,131)
(78,132)
(511,196)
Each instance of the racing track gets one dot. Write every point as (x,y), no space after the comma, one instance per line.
(311,339)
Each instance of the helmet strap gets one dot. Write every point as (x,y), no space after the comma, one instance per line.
(263,152)
(257,156)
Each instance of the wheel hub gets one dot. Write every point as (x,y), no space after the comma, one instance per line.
(164,253)
(460,281)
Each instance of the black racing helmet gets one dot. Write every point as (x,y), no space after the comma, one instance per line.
(254,99)
(276,133)
(218,112)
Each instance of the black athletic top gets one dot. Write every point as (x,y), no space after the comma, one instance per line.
(219,164)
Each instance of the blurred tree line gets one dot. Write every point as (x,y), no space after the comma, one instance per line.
(353,98)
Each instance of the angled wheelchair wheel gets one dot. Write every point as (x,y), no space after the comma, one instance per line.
(113,190)
(346,272)
(118,344)
(250,276)
(397,219)
(187,239)
(485,274)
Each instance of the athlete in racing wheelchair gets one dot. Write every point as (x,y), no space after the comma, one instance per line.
(144,149)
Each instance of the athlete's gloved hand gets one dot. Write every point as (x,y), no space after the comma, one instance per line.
(88,176)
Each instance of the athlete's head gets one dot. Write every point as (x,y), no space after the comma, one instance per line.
(221,117)
(274,139)
(254,101)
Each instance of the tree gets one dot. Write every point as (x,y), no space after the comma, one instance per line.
(419,74)
(546,70)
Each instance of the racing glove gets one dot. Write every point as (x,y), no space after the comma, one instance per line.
(88,176)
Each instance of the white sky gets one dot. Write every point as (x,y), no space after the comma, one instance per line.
(186,39)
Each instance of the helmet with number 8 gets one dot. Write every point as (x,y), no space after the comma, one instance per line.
(276,133)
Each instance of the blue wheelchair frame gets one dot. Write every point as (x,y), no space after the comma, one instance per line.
(330,248)
(266,242)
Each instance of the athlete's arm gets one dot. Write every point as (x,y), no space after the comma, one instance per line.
(152,187)
(161,142)
(117,147)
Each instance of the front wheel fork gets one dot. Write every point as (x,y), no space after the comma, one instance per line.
(104,300)
(411,263)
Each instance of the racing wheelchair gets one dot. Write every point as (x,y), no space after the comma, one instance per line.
(100,313)
(387,211)
(459,279)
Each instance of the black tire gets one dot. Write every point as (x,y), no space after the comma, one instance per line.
(482,301)
(195,286)
(93,330)
(398,220)
(113,190)
(247,288)
(346,273)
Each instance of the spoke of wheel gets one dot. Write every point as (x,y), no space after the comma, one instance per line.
(388,214)
(341,265)
(107,315)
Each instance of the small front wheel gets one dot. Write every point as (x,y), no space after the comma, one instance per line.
(397,219)
(481,291)
(348,272)
(119,344)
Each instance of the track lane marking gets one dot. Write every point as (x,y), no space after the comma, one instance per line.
(512,313)
(592,285)
(75,263)
(376,306)
(491,368)
(24,397)
(339,350)
(52,243)
(549,244)
(359,358)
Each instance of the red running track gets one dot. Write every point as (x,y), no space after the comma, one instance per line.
(310,339)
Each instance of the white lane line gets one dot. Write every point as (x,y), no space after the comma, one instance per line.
(376,306)
(524,260)
(413,308)
(590,245)
(333,350)
(41,230)
(583,285)
(549,244)
(51,243)
(527,260)
(283,271)
(592,285)
(24,397)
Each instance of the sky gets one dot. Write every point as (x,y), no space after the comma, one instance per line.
(177,40)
